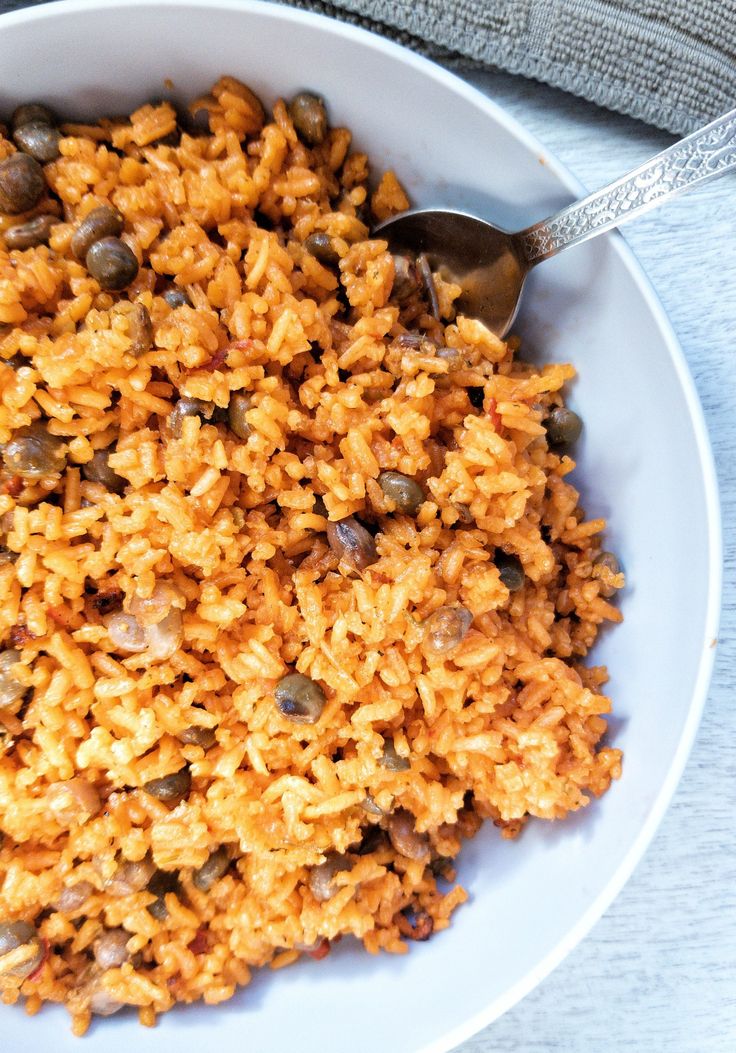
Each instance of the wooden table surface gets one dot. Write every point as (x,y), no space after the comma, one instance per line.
(658,971)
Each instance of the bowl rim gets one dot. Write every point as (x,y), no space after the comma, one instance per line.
(455,84)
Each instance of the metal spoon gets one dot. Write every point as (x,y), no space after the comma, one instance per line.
(491,264)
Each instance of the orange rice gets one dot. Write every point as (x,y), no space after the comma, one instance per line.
(506,726)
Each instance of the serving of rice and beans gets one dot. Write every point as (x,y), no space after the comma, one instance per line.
(295,592)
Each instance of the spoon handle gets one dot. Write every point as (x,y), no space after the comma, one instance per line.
(701,156)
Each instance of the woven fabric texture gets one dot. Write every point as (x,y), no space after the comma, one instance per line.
(671,63)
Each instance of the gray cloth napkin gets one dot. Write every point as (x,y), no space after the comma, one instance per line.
(671,63)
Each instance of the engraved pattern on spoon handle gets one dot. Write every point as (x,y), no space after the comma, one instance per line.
(699,157)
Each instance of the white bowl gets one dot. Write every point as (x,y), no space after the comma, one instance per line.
(645,464)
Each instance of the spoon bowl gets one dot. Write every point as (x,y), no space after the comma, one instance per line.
(487,262)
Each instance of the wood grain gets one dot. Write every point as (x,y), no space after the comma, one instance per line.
(658,972)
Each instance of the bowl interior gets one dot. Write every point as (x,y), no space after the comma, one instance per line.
(644,463)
